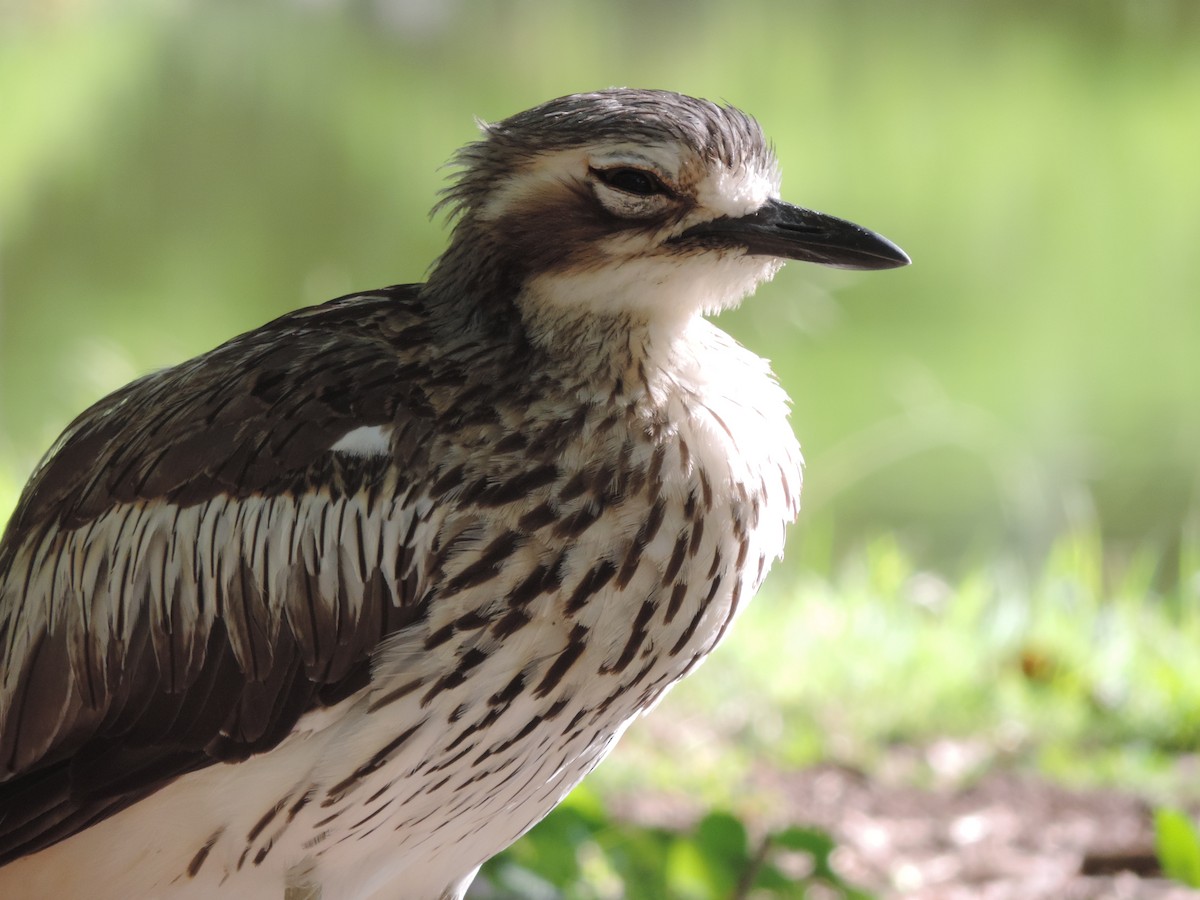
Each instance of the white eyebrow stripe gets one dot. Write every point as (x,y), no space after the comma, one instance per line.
(366,440)
(622,159)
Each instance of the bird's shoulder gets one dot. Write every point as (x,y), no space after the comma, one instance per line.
(235,420)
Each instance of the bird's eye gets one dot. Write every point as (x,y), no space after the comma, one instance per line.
(632,181)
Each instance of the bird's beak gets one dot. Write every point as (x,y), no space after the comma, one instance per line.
(790,232)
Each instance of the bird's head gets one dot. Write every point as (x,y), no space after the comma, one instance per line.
(644,203)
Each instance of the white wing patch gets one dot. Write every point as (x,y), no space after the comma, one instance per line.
(367,440)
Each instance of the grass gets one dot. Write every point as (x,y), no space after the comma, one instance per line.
(1084,670)
(173,174)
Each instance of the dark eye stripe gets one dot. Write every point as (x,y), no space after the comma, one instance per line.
(638,182)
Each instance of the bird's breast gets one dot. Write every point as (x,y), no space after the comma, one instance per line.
(605,552)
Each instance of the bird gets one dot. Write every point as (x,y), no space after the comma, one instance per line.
(349,603)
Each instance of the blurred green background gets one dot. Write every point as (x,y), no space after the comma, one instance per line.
(172,173)
(1001,507)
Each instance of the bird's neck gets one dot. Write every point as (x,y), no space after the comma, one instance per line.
(472,283)
(617,346)
(587,328)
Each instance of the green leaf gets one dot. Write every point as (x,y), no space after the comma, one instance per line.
(722,835)
(688,875)
(1178,846)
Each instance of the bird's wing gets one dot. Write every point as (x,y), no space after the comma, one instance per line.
(193,566)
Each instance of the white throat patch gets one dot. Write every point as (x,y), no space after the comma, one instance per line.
(657,288)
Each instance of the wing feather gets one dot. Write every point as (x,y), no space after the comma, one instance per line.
(191,568)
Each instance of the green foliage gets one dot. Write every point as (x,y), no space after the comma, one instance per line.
(1178,846)
(1083,668)
(579,853)
(176,172)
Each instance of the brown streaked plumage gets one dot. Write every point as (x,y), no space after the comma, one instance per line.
(353,600)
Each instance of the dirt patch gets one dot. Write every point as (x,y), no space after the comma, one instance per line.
(1005,836)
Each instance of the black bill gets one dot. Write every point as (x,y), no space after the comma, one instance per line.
(790,232)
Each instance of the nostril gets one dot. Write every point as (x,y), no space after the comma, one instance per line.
(801,227)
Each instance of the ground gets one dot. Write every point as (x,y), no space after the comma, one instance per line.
(1004,836)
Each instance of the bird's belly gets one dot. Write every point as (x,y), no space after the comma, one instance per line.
(432,774)
(425,821)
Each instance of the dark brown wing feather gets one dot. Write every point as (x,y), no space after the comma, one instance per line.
(98,711)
